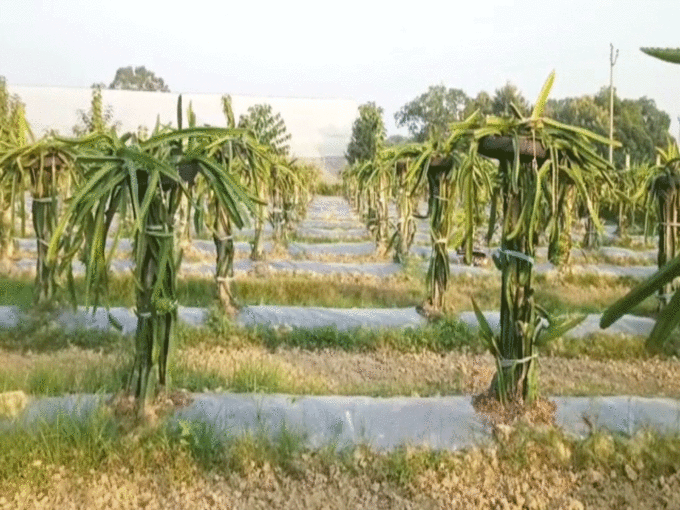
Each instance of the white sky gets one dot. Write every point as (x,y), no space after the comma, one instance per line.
(387,52)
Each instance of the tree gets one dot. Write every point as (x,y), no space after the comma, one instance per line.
(638,124)
(582,111)
(505,97)
(368,134)
(397,139)
(268,127)
(45,168)
(540,162)
(138,78)
(14,132)
(269,130)
(431,113)
(151,175)
(98,118)
(368,139)
(481,103)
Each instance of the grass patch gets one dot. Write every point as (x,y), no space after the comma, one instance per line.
(567,293)
(328,189)
(251,376)
(333,292)
(64,373)
(600,347)
(79,444)
(330,291)
(43,333)
(442,336)
(215,451)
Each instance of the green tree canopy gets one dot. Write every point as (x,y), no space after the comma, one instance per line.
(582,111)
(481,102)
(431,113)
(505,96)
(638,124)
(368,134)
(138,78)
(268,127)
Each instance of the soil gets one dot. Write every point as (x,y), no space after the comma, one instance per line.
(476,479)
(540,412)
(390,372)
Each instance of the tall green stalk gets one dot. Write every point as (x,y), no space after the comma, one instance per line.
(224,271)
(406,226)
(156,264)
(442,197)
(516,375)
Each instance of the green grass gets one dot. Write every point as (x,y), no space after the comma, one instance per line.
(601,347)
(45,381)
(250,377)
(274,290)
(442,336)
(328,189)
(41,332)
(326,292)
(80,444)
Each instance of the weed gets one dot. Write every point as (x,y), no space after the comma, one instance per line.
(599,346)
(442,336)
(80,443)
(62,376)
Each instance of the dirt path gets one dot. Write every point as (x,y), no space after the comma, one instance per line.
(389,372)
(381,373)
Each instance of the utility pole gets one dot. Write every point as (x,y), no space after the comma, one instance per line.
(612,60)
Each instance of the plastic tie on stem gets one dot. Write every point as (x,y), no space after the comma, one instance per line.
(45,199)
(517,255)
(665,297)
(158,231)
(508,363)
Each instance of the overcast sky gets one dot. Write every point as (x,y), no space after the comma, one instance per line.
(387,52)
